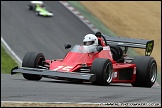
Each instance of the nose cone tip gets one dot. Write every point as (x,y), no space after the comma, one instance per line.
(51,14)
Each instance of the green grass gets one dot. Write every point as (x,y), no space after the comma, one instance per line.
(7,63)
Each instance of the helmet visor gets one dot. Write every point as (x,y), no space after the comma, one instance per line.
(89,43)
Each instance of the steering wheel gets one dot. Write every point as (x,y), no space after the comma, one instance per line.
(104,40)
(98,34)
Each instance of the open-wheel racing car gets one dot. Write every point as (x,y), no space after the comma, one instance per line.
(39,8)
(100,65)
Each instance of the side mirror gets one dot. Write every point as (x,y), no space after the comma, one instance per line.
(99,48)
(67,46)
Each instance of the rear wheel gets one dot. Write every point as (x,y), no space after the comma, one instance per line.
(33,60)
(102,68)
(115,55)
(30,7)
(121,51)
(117,52)
(146,71)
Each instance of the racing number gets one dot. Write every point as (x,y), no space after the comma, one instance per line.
(66,68)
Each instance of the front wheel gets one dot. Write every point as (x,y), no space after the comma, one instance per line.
(33,60)
(37,13)
(146,71)
(102,68)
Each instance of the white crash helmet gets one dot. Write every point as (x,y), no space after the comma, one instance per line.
(90,39)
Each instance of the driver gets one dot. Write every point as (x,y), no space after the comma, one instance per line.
(39,7)
(90,40)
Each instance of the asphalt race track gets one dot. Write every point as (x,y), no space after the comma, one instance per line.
(25,32)
(16,88)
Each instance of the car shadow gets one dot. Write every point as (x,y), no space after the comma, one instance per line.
(47,80)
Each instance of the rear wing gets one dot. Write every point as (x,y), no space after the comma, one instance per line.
(36,2)
(148,45)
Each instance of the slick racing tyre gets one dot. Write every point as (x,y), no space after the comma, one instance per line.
(116,52)
(30,7)
(33,60)
(146,71)
(102,68)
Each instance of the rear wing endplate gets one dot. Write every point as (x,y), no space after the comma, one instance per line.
(131,42)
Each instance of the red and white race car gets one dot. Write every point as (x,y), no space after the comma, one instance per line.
(100,65)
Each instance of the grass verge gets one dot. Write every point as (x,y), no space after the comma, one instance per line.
(7,63)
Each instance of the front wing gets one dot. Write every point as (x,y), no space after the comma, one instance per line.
(45,72)
(46,14)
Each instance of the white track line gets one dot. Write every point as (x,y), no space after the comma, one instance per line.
(80,16)
(9,49)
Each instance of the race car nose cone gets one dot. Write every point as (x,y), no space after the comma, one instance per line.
(51,14)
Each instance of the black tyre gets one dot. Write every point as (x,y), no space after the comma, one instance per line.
(102,68)
(33,60)
(146,71)
(115,55)
(30,7)
(121,60)
(120,51)
(115,52)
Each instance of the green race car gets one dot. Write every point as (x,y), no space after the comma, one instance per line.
(39,8)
